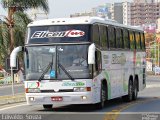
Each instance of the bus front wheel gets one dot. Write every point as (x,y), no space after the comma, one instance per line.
(47,107)
(101,104)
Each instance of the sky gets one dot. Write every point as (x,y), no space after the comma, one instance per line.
(63,8)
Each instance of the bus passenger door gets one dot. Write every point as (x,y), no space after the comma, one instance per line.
(97,68)
(98,63)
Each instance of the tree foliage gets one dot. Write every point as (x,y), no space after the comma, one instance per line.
(19,29)
(23,5)
(12,30)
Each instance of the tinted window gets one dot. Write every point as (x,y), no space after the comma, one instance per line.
(143,41)
(96,34)
(119,38)
(72,58)
(103,36)
(111,37)
(98,65)
(126,38)
(138,41)
(132,40)
(59,33)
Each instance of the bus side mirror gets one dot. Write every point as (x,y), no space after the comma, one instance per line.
(13,56)
(91,54)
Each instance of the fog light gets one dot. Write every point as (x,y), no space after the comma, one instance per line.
(31,98)
(84,97)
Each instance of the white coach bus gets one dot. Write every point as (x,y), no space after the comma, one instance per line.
(86,60)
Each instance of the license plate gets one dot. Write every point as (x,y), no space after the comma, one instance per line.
(56,98)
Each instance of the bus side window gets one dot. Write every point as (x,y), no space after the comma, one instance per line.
(138,41)
(95,33)
(122,39)
(119,38)
(142,41)
(126,39)
(132,40)
(111,37)
(103,37)
(98,63)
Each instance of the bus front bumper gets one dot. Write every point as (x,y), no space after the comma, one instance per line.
(65,98)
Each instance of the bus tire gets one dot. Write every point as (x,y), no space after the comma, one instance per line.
(129,97)
(101,104)
(135,91)
(47,107)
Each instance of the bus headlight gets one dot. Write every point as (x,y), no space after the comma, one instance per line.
(81,89)
(32,90)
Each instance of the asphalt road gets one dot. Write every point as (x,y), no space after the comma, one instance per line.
(146,107)
(7,90)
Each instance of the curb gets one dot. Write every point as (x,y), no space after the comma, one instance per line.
(12,99)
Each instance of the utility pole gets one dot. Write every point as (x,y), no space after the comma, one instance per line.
(12,76)
(158,54)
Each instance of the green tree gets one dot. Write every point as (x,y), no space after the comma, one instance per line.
(20,5)
(21,22)
(12,31)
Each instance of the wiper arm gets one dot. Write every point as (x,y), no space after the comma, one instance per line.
(45,71)
(65,71)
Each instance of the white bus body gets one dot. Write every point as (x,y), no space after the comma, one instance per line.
(116,70)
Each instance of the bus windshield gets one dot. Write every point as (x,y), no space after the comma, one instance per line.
(58,34)
(65,60)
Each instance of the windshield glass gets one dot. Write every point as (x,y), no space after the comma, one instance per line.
(58,34)
(65,60)
(38,59)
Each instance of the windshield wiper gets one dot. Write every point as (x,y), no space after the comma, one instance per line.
(50,65)
(65,71)
(61,66)
(45,71)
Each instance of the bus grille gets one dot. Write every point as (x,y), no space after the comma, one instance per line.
(52,91)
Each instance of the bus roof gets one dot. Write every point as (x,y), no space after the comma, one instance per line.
(79,20)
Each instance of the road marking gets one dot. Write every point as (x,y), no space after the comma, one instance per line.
(12,107)
(153,86)
(116,112)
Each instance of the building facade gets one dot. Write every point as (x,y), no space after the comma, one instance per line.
(158,25)
(101,11)
(136,13)
(82,14)
(141,12)
(126,13)
(117,12)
